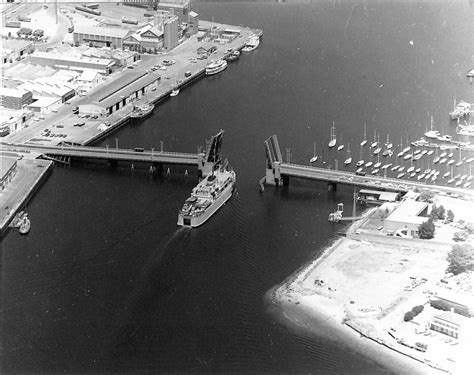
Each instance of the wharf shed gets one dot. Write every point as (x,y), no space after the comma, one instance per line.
(100,36)
(119,93)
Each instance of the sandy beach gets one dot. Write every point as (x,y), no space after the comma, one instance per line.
(357,292)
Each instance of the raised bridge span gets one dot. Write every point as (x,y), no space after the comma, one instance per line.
(204,161)
(278,173)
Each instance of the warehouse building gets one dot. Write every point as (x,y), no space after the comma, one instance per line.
(7,170)
(100,36)
(15,98)
(118,94)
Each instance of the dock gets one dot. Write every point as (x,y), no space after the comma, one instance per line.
(28,177)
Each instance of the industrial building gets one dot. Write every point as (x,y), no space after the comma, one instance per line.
(48,87)
(448,323)
(44,104)
(15,49)
(149,38)
(65,61)
(15,98)
(180,8)
(117,94)
(100,36)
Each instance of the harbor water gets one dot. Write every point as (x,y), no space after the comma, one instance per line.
(106,282)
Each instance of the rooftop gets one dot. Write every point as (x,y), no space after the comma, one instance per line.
(408,211)
(6,164)
(113,32)
(452,317)
(15,44)
(17,93)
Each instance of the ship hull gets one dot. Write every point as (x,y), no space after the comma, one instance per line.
(196,221)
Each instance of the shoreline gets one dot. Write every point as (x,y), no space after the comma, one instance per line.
(314,309)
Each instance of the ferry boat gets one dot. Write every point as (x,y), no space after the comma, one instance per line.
(253,43)
(216,67)
(460,110)
(207,197)
(142,111)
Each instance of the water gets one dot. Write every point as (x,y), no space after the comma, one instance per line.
(106,282)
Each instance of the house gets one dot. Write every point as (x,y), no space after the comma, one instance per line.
(88,80)
(407,217)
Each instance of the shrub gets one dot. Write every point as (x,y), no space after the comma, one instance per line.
(450,216)
(408,316)
(417,309)
(461,258)
(426,230)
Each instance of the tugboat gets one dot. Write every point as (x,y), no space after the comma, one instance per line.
(234,55)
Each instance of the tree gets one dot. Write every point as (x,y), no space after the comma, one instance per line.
(408,316)
(426,196)
(461,258)
(441,212)
(460,236)
(450,216)
(426,229)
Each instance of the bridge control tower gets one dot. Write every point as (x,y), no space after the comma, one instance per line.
(211,159)
(274,160)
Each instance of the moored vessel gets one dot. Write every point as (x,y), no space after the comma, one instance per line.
(142,110)
(216,67)
(253,43)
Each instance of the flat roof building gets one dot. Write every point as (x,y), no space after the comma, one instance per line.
(409,215)
(15,98)
(7,170)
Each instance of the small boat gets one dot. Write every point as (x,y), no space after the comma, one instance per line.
(450,181)
(374,143)
(364,142)
(417,170)
(377,150)
(432,133)
(443,160)
(450,161)
(174,92)
(421,176)
(467,130)
(375,171)
(406,149)
(412,174)
(424,152)
(377,165)
(25,225)
(459,182)
(459,163)
(463,177)
(400,154)
(332,141)
(401,169)
(427,171)
(216,67)
(467,184)
(359,163)
(359,170)
(457,176)
(408,156)
(460,110)
(349,158)
(469,178)
(253,43)
(142,110)
(386,153)
(340,147)
(417,157)
(400,175)
(368,164)
(386,166)
(443,154)
(445,138)
(430,152)
(234,55)
(411,169)
(447,147)
(446,174)
(416,152)
(395,168)
(315,157)
(451,154)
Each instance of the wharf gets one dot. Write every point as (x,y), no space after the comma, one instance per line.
(185,57)
(28,177)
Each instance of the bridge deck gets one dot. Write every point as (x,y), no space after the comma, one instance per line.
(108,153)
(350,178)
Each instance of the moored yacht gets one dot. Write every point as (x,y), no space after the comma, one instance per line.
(216,67)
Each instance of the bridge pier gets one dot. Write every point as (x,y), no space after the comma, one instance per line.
(332,186)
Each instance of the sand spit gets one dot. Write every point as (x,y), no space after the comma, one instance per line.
(360,289)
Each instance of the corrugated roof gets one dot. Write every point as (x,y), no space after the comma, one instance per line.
(452,317)
(113,32)
(6,164)
(130,83)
